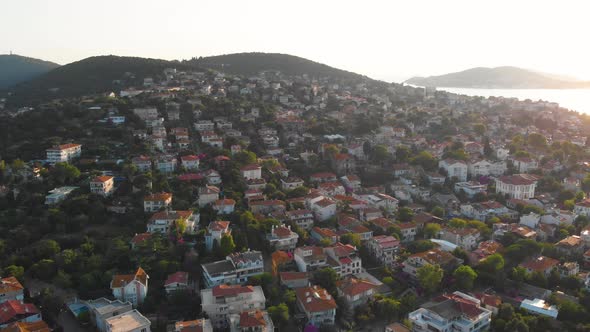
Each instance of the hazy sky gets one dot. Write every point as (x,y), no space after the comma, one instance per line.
(390,40)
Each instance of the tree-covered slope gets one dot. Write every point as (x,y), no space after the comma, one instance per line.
(252,63)
(15,69)
(97,74)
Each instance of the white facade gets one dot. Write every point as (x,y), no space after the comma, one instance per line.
(63,153)
(519,186)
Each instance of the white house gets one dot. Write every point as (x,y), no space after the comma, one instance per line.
(102,185)
(250,172)
(215,231)
(224,206)
(454,168)
(190,162)
(63,153)
(282,238)
(452,312)
(222,301)
(519,186)
(130,287)
(317,304)
(155,202)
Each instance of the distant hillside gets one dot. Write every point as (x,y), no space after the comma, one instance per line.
(15,69)
(500,78)
(97,74)
(248,64)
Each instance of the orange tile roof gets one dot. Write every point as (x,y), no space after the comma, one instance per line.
(39,326)
(292,275)
(250,319)
(158,197)
(120,280)
(10,284)
(354,286)
(190,326)
(171,215)
(218,225)
(102,178)
(540,264)
(315,299)
(231,290)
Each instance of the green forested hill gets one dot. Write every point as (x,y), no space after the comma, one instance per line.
(15,69)
(252,63)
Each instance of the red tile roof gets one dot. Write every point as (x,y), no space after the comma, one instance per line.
(102,178)
(250,319)
(287,276)
(354,286)
(518,179)
(177,277)
(218,225)
(158,197)
(190,326)
(10,284)
(120,280)
(315,299)
(540,264)
(39,326)
(231,290)
(191,157)
(138,238)
(10,309)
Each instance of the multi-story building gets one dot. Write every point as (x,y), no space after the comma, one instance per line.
(470,188)
(355,291)
(301,218)
(250,172)
(130,287)
(384,249)
(164,221)
(317,304)
(166,164)
(310,258)
(237,268)
(101,309)
(466,238)
(344,259)
(190,162)
(454,168)
(282,238)
(63,153)
(222,301)
(155,202)
(102,185)
(143,163)
(451,312)
(132,321)
(519,186)
(11,289)
(215,231)
(207,195)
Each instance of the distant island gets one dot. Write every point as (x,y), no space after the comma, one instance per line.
(499,78)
